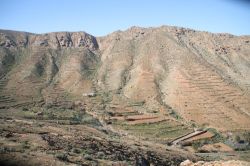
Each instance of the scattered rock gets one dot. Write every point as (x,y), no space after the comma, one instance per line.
(215,163)
(39,113)
(141,161)
(186,163)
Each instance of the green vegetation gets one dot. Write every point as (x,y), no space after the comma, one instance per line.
(160,131)
(139,103)
(175,114)
(62,156)
(247,137)
(87,157)
(100,155)
(59,115)
(39,69)
(215,139)
(25,145)
(76,119)
(198,144)
(77,150)
(217,136)
(106,97)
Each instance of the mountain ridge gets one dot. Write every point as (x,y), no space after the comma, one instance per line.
(131,27)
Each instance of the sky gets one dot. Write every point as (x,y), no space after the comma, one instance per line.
(101,17)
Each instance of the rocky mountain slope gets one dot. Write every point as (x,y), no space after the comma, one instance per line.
(203,77)
(154,84)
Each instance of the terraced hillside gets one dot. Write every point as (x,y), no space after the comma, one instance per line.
(204,77)
(144,84)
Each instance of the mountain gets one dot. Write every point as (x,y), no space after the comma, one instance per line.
(153,83)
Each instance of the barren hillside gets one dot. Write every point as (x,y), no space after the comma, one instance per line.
(153,84)
(204,77)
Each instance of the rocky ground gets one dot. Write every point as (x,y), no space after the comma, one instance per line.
(34,139)
(217,163)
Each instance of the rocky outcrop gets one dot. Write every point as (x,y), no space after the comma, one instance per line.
(6,42)
(49,40)
(65,41)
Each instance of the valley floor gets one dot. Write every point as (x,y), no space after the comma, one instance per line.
(57,136)
(70,137)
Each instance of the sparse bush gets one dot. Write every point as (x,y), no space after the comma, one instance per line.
(48,105)
(100,155)
(247,136)
(87,157)
(237,138)
(175,115)
(196,144)
(62,156)
(3,150)
(7,149)
(193,125)
(139,103)
(77,150)
(88,151)
(25,145)
(76,119)
(51,115)
(25,109)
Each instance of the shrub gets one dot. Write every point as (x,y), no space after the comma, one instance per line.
(76,119)
(237,138)
(87,157)
(25,145)
(25,109)
(100,155)
(62,156)
(7,149)
(77,150)
(175,115)
(247,136)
